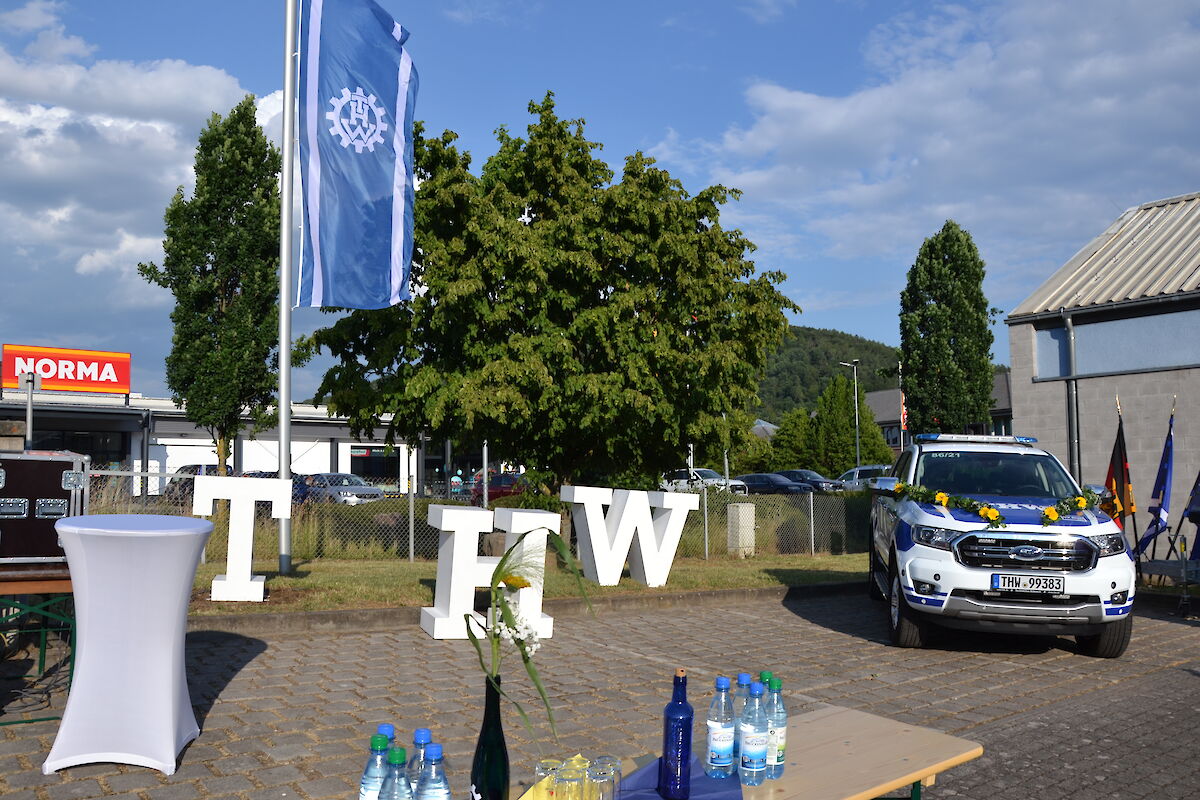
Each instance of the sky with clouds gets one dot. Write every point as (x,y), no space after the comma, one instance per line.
(854,128)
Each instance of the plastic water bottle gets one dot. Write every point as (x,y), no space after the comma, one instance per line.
(433,784)
(675,766)
(388,730)
(395,785)
(719,762)
(421,737)
(739,704)
(753,725)
(777,721)
(376,769)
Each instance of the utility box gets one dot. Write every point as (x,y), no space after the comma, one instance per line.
(38,487)
(741,529)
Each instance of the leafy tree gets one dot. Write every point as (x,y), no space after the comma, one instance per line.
(581,326)
(792,443)
(945,341)
(831,446)
(221,261)
(752,454)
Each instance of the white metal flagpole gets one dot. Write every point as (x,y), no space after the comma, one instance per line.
(288,147)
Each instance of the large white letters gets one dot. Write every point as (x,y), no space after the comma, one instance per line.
(237,583)
(461,569)
(605,541)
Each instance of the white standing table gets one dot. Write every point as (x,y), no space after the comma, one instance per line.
(129,702)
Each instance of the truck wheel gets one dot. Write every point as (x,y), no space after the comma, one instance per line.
(873,590)
(1110,642)
(906,629)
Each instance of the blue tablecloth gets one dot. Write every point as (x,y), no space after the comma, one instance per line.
(643,784)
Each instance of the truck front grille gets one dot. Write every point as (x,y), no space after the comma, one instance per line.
(1000,551)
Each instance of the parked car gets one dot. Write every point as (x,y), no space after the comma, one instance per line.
(502,484)
(816,480)
(342,487)
(855,479)
(181,490)
(772,483)
(300,489)
(691,480)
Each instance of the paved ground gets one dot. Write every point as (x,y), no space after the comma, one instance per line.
(286,715)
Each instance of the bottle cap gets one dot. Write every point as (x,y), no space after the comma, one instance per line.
(422,736)
(681,673)
(387,729)
(756,689)
(397,755)
(765,676)
(721,682)
(743,679)
(378,742)
(433,751)
(776,684)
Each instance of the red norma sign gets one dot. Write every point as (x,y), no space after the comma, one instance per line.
(67,370)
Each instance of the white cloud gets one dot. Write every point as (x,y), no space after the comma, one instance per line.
(762,11)
(33,16)
(53,44)
(128,252)
(1032,124)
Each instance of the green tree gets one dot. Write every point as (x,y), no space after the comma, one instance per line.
(221,262)
(752,454)
(792,443)
(945,339)
(874,447)
(582,326)
(832,430)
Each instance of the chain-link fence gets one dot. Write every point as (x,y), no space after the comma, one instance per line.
(395,527)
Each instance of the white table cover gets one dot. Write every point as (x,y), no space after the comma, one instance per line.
(132,576)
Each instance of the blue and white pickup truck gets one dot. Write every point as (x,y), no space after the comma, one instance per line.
(970,532)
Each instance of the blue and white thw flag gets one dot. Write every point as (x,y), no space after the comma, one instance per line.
(357,92)
(1160,502)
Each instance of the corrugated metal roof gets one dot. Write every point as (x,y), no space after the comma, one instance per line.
(1150,251)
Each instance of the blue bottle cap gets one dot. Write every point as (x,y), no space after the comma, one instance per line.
(422,736)
(721,682)
(387,729)
(433,751)
(756,689)
(743,679)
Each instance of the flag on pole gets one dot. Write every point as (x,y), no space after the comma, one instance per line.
(357,94)
(1118,482)
(1160,501)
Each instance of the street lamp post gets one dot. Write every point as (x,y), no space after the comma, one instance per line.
(857,447)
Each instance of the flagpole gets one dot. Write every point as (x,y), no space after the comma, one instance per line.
(288,146)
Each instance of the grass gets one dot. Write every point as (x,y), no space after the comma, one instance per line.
(329,584)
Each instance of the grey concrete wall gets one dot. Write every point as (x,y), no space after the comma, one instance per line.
(1040,409)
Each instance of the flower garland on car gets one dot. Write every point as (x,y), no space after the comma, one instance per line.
(992,516)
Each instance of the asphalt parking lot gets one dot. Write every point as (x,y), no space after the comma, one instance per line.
(287,714)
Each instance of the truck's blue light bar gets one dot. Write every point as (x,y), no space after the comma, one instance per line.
(978,439)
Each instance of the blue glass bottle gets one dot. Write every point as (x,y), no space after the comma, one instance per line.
(721,725)
(395,785)
(777,722)
(375,771)
(675,766)
(421,737)
(753,726)
(433,784)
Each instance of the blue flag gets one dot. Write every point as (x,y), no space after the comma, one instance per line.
(357,93)
(1160,502)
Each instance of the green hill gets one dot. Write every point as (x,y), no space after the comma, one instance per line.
(808,359)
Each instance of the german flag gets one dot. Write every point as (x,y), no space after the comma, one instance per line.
(1118,482)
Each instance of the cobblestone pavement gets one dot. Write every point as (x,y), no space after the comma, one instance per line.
(287,715)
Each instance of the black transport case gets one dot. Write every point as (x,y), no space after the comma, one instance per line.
(38,487)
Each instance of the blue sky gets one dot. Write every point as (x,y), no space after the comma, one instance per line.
(855,128)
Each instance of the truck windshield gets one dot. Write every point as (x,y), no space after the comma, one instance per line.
(993,474)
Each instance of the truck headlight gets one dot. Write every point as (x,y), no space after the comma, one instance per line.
(1110,544)
(933,537)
